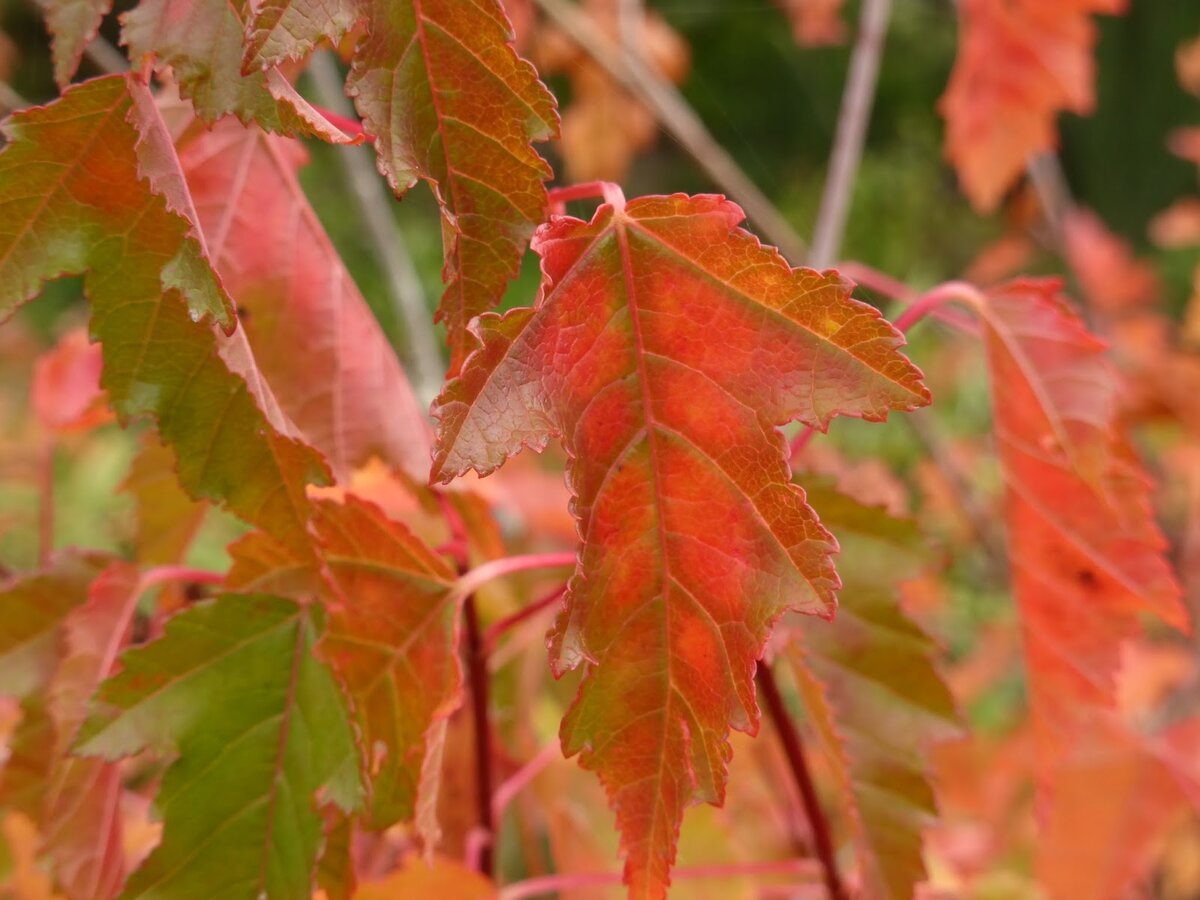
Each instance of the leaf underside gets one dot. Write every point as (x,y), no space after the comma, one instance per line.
(666,347)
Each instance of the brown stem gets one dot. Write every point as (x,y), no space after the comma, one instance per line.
(478,674)
(794,749)
(46,501)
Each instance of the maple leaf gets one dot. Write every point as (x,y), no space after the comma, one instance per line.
(82,822)
(871,690)
(665,347)
(313,336)
(1087,558)
(234,690)
(73,24)
(1020,63)
(66,391)
(392,636)
(201,42)
(448,100)
(32,610)
(98,162)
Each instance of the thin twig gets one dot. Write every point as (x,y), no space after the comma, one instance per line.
(105,57)
(794,750)
(478,675)
(46,500)
(678,119)
(857,99)
(469,582)
(371,196)
(492,635)
(517,782)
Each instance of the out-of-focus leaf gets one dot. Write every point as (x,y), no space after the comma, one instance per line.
(97,164)
(32,610)
(1087,558)
(66,385)
(872,692)
(665,348)
(72,24)
(392,637)
(167,518)
(314,338)
(815,23)
(446,878)
(259,730)
(1020,63)
(82,824)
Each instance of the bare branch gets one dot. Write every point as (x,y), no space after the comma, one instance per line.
(678,119)
(857,100)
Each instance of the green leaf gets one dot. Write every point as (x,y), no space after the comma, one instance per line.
(392,638)
(871,690)
(260,730)
(90,185)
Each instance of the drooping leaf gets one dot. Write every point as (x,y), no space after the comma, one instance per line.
(259,729)
(1020,63)
(872,693)
(201,41)
(392,636)
(665,348)
(1086,556)
(72,202)
(448,100)
(82,823)
(314,338)
(73,24)
(32,610)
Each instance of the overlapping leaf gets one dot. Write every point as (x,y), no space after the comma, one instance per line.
(1020,63)
(73,24)
(1087,558)
(665,348)
(82,831)
(872,693)
(201,41)
(448,100)
(167,518)
(90,184)
(392,637)
(314,338)
(32,610)
(259,729)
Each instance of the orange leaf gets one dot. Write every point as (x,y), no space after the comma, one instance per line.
(66,385)
(666,346)
(1020,63)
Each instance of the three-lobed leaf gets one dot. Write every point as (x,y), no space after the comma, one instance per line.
(666,347)
(261,736)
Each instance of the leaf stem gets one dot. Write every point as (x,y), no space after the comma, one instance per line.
(857,100)
(46,500)
(556,884)
(478,675)
(492,635)
(935,299)
(678,119)
(523,776)
(794,749)
(474,579)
